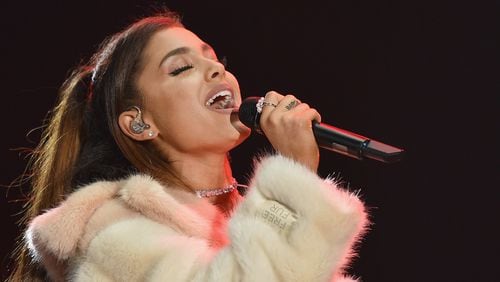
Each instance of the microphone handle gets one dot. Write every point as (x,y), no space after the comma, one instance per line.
(354,145)
(328,137)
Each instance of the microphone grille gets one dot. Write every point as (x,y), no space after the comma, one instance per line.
(248,114)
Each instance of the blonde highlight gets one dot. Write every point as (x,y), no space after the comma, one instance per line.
(82,141)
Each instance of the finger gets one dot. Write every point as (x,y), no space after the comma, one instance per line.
(304,108)
(311,115)
(300,108)
(288,103)
(271,101)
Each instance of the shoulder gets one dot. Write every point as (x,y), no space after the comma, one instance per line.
(95,207)
(58,230)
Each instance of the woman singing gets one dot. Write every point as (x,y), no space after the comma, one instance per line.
(131,180)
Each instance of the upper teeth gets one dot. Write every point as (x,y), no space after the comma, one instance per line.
(225,93)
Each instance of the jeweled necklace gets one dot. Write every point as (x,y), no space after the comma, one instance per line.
(205,193)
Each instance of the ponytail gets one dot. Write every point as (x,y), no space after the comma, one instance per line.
(52,162)
(82,142)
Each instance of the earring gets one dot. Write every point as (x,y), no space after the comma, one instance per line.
(151,133)
(137,125)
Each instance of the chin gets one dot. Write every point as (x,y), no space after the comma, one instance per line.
(242,129)
(238,138)
(243,137)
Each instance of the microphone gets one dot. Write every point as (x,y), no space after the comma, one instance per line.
(329,137)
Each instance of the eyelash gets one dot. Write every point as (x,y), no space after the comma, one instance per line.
(179,70)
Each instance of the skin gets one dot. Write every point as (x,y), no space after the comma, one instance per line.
(196,137)
(290,131)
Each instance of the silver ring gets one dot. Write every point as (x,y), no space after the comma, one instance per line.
(269,104)
(261,103)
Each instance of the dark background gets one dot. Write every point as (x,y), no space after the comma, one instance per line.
(421,75)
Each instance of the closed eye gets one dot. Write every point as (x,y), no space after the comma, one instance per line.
(179,70)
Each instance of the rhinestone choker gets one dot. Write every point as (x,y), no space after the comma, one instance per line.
(216,192)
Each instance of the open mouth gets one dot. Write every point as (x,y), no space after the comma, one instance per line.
(221,100)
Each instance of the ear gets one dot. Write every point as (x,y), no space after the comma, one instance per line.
(124,121)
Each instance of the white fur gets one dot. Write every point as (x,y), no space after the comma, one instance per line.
(139,230)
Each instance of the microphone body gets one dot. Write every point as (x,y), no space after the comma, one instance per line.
(329,137)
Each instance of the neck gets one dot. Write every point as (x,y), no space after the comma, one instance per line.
(204,172)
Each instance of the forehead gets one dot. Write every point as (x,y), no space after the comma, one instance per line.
(172,38)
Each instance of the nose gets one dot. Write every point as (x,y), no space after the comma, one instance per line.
(215,71)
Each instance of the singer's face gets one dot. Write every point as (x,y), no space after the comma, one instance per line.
(189,96)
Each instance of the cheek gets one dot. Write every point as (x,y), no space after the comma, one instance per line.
(172,98)
(174,111)
(176,108)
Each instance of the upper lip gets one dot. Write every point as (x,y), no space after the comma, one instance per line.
(218,88)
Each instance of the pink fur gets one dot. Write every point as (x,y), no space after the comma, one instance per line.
(149,198)
(59,229)
(109,230)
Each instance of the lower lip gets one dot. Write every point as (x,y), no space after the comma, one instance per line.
(224,111)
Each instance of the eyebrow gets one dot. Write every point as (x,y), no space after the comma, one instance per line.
(183,50)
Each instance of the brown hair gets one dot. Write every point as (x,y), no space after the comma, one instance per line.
(82,141)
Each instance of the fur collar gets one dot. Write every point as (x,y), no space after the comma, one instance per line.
(59,230)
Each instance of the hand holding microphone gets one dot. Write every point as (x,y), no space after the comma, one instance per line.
(253,109)
(286,122)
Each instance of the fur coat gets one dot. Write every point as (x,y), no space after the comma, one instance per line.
(291,226)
